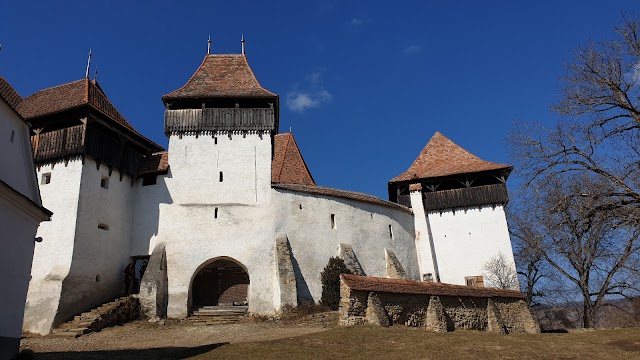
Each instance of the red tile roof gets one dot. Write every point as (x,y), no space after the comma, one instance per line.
(157,163)
(324,191)
(83,92)
(399,286)
(442,157)
(221,75)
(287,165)
(68,96)
(9,94)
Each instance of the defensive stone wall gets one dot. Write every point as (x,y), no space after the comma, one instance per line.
(433,306)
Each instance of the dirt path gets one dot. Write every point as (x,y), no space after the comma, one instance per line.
(174,340)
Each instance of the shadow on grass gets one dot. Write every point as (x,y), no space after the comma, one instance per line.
(154,353)
(554,331)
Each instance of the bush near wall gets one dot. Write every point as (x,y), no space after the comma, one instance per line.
(330,278)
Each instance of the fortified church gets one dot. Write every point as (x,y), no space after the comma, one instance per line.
(230,213)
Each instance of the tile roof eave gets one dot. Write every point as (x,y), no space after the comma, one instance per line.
(403,178)
(331,192)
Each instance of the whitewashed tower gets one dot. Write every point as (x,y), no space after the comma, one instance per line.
(458,202)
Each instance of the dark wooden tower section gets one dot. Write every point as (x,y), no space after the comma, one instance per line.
(223,95)
(451,177)
(77,119)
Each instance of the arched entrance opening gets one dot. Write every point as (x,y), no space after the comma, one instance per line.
(222,282)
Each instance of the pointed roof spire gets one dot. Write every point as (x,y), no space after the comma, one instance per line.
(442,157)
(86,75)
(242,42)
(209,46)
(288,165)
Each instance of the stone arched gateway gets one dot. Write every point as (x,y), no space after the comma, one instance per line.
(220,282)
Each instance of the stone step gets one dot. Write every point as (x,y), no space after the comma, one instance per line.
(66,334)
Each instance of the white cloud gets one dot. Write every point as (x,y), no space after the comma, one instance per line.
(412,49)
(312,95)
(356,22)
(300,101)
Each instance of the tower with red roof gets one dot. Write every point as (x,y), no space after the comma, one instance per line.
(458,203)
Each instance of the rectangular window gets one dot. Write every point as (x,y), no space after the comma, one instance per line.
(103,226)
(148,180)
(475,281)
(215,213)
(427,277)
(46,178)
(104,182)
(333,221)
(220,176)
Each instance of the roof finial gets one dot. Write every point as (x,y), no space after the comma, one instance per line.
(86,75)
(242,41)
(95,74)
(290,129)
(209,46)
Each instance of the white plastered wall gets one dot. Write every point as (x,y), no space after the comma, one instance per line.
(99,255)
(465,239)
(52,257)
(306,219)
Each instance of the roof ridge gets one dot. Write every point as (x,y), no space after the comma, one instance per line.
(302,158)
(56,86)
(284,154)
(190,78)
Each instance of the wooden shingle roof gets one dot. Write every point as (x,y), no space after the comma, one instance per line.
(442,157)
(221,75)
(9,94)
(287,165)
(412,287)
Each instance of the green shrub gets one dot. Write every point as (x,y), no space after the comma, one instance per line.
(330,278)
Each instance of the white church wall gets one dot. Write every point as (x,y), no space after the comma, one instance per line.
(52,257)
(18,229)
(208,218)
(465,239)
(16,163)
(146,214)
(243,161)
(102,243)
(307,221)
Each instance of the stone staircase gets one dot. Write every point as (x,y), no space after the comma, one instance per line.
(217,315)
(116,312)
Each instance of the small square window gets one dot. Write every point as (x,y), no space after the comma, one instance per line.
(475,281)
(428,277)
(148,180)
(104,182)
(46,178)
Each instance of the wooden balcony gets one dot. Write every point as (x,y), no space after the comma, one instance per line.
(213,120)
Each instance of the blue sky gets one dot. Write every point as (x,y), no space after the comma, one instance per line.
(363,84)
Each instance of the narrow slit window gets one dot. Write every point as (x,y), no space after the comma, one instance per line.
(215,140)
(221,176)
(333,221)
(104,182)
(215,213)
(13,134)
(300,206)
(46,178)
(390,231)
(103,226)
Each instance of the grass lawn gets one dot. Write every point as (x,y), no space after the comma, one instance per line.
(364,342)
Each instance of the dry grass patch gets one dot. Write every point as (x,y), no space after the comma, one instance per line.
(364,342)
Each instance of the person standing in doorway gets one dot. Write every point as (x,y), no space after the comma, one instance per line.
(129,272)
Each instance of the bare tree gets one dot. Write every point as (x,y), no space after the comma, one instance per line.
(500,273)
(583,174)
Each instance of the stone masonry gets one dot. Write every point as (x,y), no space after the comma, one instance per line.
(433,306)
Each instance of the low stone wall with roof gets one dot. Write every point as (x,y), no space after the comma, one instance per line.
(433,306)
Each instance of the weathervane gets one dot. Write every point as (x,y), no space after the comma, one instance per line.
(86,75)
(209,45)
(242,41)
